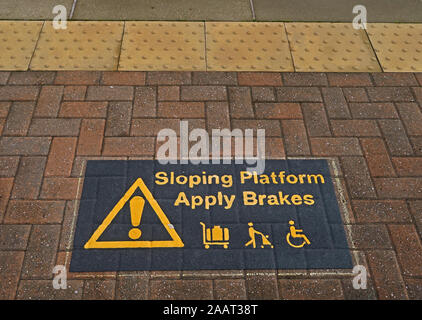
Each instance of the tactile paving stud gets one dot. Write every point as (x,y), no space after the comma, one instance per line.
(251,46)
(330,47)
(17,43)
(397,46)
(82,46)
(172,46)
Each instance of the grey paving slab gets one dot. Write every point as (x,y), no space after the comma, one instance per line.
(31,9)
(222,10)
(337,10)
(216,10)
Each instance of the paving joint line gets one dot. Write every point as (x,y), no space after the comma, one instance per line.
(35,48)
(374,51)
(118,59)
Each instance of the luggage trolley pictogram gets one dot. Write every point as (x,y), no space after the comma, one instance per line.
(215,236)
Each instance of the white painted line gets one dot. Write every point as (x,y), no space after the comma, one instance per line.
(72,10)
(253,10)
(75,211)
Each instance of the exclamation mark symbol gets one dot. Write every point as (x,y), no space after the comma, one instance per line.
(136,208)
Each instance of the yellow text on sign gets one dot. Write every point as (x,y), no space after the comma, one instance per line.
(207,201)
(93,242)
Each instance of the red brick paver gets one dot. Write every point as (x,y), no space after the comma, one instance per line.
(52,122)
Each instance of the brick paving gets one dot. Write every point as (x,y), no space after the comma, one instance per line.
(51,122)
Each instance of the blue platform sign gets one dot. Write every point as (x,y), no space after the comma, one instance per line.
(142,215)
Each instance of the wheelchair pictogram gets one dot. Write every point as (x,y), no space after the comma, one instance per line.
(296,234)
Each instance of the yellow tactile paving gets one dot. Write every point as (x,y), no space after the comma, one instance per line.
(173,46)
(82,46)
(335,47)
(248,46)
(397,46)
(17,43)
(212,46)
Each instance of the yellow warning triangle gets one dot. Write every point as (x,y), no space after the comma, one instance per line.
(93,242)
